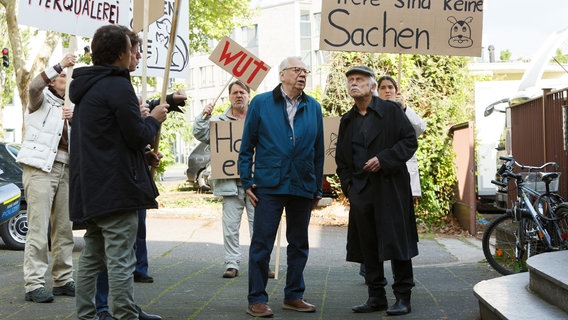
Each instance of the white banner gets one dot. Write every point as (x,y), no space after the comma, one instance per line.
(76,17)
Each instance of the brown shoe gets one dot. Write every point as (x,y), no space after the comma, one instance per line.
(298,305)
(231,273)
(271,274)
(260,310)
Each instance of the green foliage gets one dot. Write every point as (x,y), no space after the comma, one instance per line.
(505,55)
(439,89)
(213,19)
(174,127)
(7,83)
(560,57)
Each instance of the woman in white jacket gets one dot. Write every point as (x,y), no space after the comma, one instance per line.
(388,90)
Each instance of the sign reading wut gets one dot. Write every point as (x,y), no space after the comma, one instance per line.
(239,62)
(443,27)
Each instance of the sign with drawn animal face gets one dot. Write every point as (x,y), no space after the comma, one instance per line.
(225,138)
(80,17)
(440,27)
(159,41)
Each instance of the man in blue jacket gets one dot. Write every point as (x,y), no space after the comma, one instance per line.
(283,133)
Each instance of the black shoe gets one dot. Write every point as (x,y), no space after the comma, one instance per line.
(373,304)
(400,307)
(66,290)
(40,295)
(142,277)
(146,316)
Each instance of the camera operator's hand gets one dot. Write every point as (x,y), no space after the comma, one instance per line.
(153,158)
(160,112)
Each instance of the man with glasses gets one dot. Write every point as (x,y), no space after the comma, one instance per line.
(283,134)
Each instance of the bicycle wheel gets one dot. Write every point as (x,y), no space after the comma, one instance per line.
(500,243)
(546,202)
(558,227)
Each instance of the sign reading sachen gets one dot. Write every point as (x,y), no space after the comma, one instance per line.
(449,27)
(239,62)
(226,143)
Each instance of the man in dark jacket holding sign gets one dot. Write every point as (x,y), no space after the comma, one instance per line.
(375,140)
(109,177)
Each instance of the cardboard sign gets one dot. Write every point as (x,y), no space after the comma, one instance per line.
(79,17)
(239,62)
(155,11)
(225,137)
(159,41)
(448,27)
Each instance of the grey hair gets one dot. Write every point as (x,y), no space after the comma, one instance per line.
(372,81)
(286,62)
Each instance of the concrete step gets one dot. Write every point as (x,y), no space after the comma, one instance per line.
(548,277)
(509,297)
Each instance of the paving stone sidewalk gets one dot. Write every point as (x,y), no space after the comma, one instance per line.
(186,262)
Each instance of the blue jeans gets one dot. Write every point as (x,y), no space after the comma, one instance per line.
(268,213)
(141,249)
(101,296)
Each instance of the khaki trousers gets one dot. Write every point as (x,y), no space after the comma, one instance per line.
(47,197)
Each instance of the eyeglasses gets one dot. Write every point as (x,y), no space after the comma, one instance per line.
(298,70)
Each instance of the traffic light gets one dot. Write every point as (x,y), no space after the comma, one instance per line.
(5,58)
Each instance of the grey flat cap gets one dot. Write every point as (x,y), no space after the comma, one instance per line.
(361,69)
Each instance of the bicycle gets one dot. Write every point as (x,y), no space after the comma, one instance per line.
(536,223)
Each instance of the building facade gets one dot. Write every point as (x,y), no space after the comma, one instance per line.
(279,28)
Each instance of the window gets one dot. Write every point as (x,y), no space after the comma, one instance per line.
(206,74)
(249,38)
(306,37)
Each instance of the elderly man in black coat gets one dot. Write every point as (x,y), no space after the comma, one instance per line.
(375,140)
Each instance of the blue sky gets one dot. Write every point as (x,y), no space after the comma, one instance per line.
(521,26)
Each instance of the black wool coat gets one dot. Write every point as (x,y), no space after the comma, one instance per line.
(393,141)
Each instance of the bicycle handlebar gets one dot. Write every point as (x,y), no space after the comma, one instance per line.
(512,162)
(506,170)
(499,183)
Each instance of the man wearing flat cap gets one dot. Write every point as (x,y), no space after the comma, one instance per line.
(375,140)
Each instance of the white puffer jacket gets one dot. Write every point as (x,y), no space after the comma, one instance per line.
(44,128)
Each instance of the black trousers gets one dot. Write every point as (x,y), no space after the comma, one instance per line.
(363,208)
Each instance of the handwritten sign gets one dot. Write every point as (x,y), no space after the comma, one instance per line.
(448,27)
(76,17)
(225,137)
(159,40)
(239,62)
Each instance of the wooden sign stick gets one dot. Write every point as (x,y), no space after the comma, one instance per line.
(171,45)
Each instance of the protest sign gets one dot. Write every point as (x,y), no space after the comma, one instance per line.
(75,17)
(448,27)
(239,62)
(225,138)
(159,40)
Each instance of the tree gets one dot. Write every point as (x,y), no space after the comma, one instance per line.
(213,19)
(560,57)
(209,20)
(505,55)
(18,52)
(439,89)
